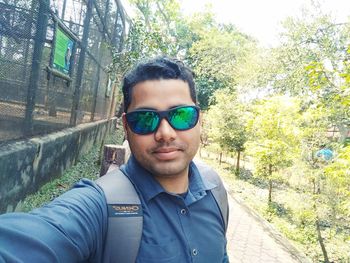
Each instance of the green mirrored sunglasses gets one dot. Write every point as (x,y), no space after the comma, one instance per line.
(147,121)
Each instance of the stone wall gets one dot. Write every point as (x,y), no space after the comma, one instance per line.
(26,165)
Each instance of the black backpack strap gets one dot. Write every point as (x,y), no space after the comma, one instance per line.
(218,192)
(125,218)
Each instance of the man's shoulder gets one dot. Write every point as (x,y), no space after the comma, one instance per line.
(84,192)
(207,172)
(219,192)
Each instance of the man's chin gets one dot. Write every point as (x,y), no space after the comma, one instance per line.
(168,169)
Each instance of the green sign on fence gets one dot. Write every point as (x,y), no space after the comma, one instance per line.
(62,51)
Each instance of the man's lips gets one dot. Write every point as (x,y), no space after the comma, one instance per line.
(166,150)
(167,153)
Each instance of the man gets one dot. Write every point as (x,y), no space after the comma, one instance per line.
(181,219)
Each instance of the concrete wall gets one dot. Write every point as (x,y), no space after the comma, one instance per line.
(27,165)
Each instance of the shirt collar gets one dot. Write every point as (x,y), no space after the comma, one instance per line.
(142,179)
(149,187)
(198,186)
(196,182)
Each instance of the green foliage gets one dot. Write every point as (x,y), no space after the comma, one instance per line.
(225,122)
(277,209)
(312,63)
(314,123)
(206,87)
(337,175)
(217,56)
(274,134)
(85,168)
(164,19)
(140,44)
(305,217)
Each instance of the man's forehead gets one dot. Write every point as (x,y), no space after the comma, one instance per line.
(162,93)
(177,86)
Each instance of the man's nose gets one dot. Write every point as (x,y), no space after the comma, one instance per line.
(165,132)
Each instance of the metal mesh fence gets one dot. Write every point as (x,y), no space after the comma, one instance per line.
(34,99)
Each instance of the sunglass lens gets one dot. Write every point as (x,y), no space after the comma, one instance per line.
(183,118)
(143,122)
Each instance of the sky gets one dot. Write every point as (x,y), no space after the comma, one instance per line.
(262,18)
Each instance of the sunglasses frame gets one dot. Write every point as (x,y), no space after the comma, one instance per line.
(163,115)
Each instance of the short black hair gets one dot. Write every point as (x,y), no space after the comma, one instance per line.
(155,69)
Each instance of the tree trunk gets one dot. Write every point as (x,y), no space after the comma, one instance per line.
(320,241)
(237,163)
(270,184)
(270,191)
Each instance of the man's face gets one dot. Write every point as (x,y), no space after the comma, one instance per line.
(166,152)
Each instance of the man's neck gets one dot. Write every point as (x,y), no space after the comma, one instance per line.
(176,184)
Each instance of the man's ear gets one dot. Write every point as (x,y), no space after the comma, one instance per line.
(125,125)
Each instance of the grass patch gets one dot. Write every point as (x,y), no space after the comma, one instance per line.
(86,167)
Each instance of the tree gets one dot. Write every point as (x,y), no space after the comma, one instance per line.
(337,175)
(334,197)
(312,63)
(227,124)
(165,18)
(274,136)
(314,126)
(217,56)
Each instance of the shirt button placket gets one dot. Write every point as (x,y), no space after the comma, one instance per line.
(183,211)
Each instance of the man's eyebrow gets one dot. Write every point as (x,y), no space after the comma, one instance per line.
(150,108)
(179,105)
(146,108)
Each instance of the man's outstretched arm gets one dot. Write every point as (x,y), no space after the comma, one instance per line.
(69,229)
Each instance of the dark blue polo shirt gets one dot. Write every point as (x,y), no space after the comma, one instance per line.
(178,228)
(72,228)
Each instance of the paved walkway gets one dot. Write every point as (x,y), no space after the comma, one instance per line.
(251,239)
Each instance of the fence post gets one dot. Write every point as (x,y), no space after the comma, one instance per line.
(64,10)
(96,81)
(40,36)
(100,55)
(80,70)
